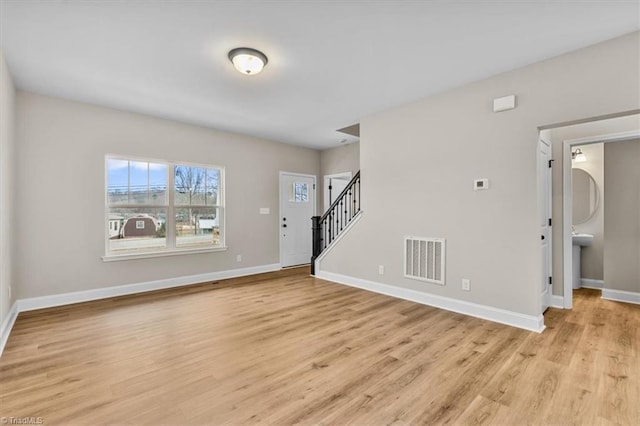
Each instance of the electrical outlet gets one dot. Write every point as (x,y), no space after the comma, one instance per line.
(239,258)
(380,269)
(466,284)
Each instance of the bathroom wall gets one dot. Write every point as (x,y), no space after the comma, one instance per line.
(592,259)
(558,136)
(622,216)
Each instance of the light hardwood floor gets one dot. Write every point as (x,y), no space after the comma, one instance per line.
(287,348)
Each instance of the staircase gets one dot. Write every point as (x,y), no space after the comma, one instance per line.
(334,221)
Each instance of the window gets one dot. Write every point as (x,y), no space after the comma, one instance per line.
(156,207)
(197,191)
(299,192)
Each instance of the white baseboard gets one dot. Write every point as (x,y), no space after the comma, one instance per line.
(33,303)
(621,296)
(557,301)
(515,319)
(53,300)
(7,325)
(589,283)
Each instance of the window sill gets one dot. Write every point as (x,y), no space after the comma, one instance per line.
(175,252)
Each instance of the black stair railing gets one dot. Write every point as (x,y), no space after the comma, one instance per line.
(327,227)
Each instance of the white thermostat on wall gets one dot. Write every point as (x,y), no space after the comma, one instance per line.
(480,184)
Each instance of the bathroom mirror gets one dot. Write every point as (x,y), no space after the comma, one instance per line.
(585,196)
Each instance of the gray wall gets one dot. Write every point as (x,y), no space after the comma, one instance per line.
(622,216)
(592,257)
(558,136)
(345,158)
(7,225)
(421,184)
(60,197)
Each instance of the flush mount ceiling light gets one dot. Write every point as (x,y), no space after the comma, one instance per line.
(248,61)
(578,156)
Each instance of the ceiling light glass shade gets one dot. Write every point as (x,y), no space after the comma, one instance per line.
(248,61)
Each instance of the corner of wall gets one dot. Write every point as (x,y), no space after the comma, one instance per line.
(8,289)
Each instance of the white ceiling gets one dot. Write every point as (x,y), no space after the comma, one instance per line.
(330,62)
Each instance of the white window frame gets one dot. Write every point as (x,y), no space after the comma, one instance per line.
(171,249)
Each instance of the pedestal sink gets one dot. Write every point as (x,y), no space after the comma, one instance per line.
(579,241)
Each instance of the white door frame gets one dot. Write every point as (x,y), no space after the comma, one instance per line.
(313,205)
(325,192)
(567,211)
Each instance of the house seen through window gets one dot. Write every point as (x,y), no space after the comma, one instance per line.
(155,206)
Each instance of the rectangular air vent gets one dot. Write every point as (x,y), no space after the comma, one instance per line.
(424,259)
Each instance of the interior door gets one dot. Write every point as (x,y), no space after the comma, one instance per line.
(297,206)
(333,186)
(544,189)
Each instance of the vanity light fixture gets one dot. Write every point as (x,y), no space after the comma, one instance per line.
(248,61)
(578,156)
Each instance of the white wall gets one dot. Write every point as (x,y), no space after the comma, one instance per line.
(558,136)
(592,257)
(418,162)
(60,193)
(7,225)
(622,216)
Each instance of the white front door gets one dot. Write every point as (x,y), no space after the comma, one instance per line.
(544,194)
(297,206)
(333,186)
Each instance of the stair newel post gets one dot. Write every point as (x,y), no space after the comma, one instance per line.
(317,241)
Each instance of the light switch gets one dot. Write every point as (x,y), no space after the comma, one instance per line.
(265,210)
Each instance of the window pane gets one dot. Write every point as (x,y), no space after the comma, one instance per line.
(299,192)
(137,229)
(199,184)
(184,184)
(157,183)
(136,182)
(118,181)
(197,226)
(196,185)
(213,186)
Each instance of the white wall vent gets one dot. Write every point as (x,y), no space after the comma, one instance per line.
(424,259)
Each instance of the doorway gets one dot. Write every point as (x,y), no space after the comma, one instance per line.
(333,186)
(568,203)
(297,206)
